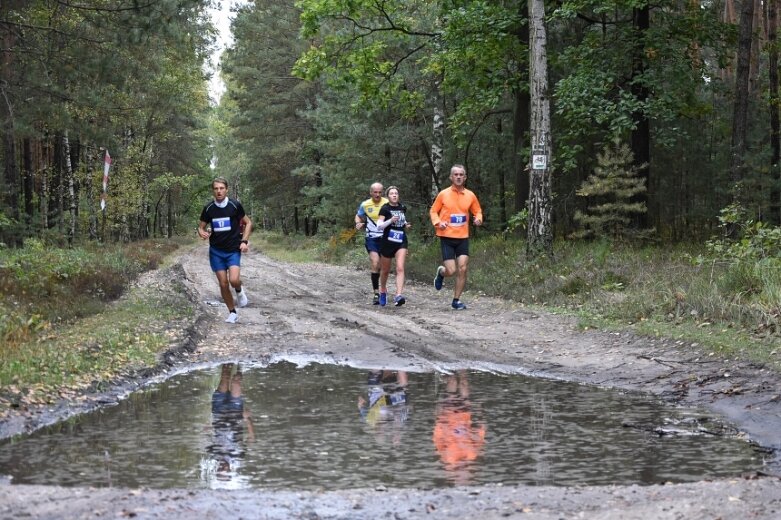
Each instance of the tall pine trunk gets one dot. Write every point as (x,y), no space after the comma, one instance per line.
(641,134)
(740,110)
(775,125)
(521,120)
(10,197)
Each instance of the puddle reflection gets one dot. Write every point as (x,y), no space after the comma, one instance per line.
(335,427)
(230,420)
(459,436)
(385,408)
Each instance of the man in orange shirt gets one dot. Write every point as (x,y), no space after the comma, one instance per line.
(450,216)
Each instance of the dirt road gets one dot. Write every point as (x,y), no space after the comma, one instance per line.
(324,311)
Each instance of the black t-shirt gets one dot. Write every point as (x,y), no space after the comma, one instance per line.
(395,233)
(225,223)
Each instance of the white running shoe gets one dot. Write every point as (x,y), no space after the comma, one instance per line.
(232,318)
(243,302)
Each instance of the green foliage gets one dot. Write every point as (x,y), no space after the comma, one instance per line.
(481,57)
(744,238)
(518,221)
(613,185)
(595,96)
(369,48)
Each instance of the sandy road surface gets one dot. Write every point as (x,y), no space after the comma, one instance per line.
(320,310)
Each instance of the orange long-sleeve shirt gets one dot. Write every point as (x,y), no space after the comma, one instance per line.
(454,206)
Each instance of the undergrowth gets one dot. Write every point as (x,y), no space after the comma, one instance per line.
(57,331)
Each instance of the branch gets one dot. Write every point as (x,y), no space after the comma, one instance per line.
(480,125)
(105,9)
(55,31)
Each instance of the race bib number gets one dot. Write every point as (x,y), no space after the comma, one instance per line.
(398,398)
(457,220)
(396,236)
(221,224)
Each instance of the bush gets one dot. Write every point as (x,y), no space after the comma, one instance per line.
(41,284)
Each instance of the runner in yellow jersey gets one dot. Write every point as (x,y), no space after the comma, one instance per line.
(366,217)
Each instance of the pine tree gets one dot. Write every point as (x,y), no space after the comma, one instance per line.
(612,186)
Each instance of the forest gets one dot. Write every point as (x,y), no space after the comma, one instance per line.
(663,116)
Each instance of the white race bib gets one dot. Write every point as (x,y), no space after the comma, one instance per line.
(457,220)
(221,224)
(396,236)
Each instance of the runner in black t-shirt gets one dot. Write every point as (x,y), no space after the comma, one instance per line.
(228,228)
(393,222)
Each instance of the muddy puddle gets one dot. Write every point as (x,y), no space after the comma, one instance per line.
(323,426)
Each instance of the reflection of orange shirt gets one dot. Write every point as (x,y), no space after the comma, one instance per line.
(456,439)
(454,207)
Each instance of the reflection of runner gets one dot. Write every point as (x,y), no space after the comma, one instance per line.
(386,406)
(458,438)
(229,419)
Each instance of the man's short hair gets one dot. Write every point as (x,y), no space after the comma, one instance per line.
(221,180)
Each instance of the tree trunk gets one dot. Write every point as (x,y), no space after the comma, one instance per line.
(540,235)
(641,134)
(437,145)
(44,200)
(58,184)
(10,197)
(28,184)
(521,119)
(740,110)
(501,157)
(775,130)
(66,151)
(91,214)
(170,214)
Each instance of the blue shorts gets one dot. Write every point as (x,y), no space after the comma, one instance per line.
(224,402)
(452,248)
(222,260)
(373,245)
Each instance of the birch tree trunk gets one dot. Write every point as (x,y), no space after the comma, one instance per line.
(540,234)
(66,151)
(91,205)
(437,144)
